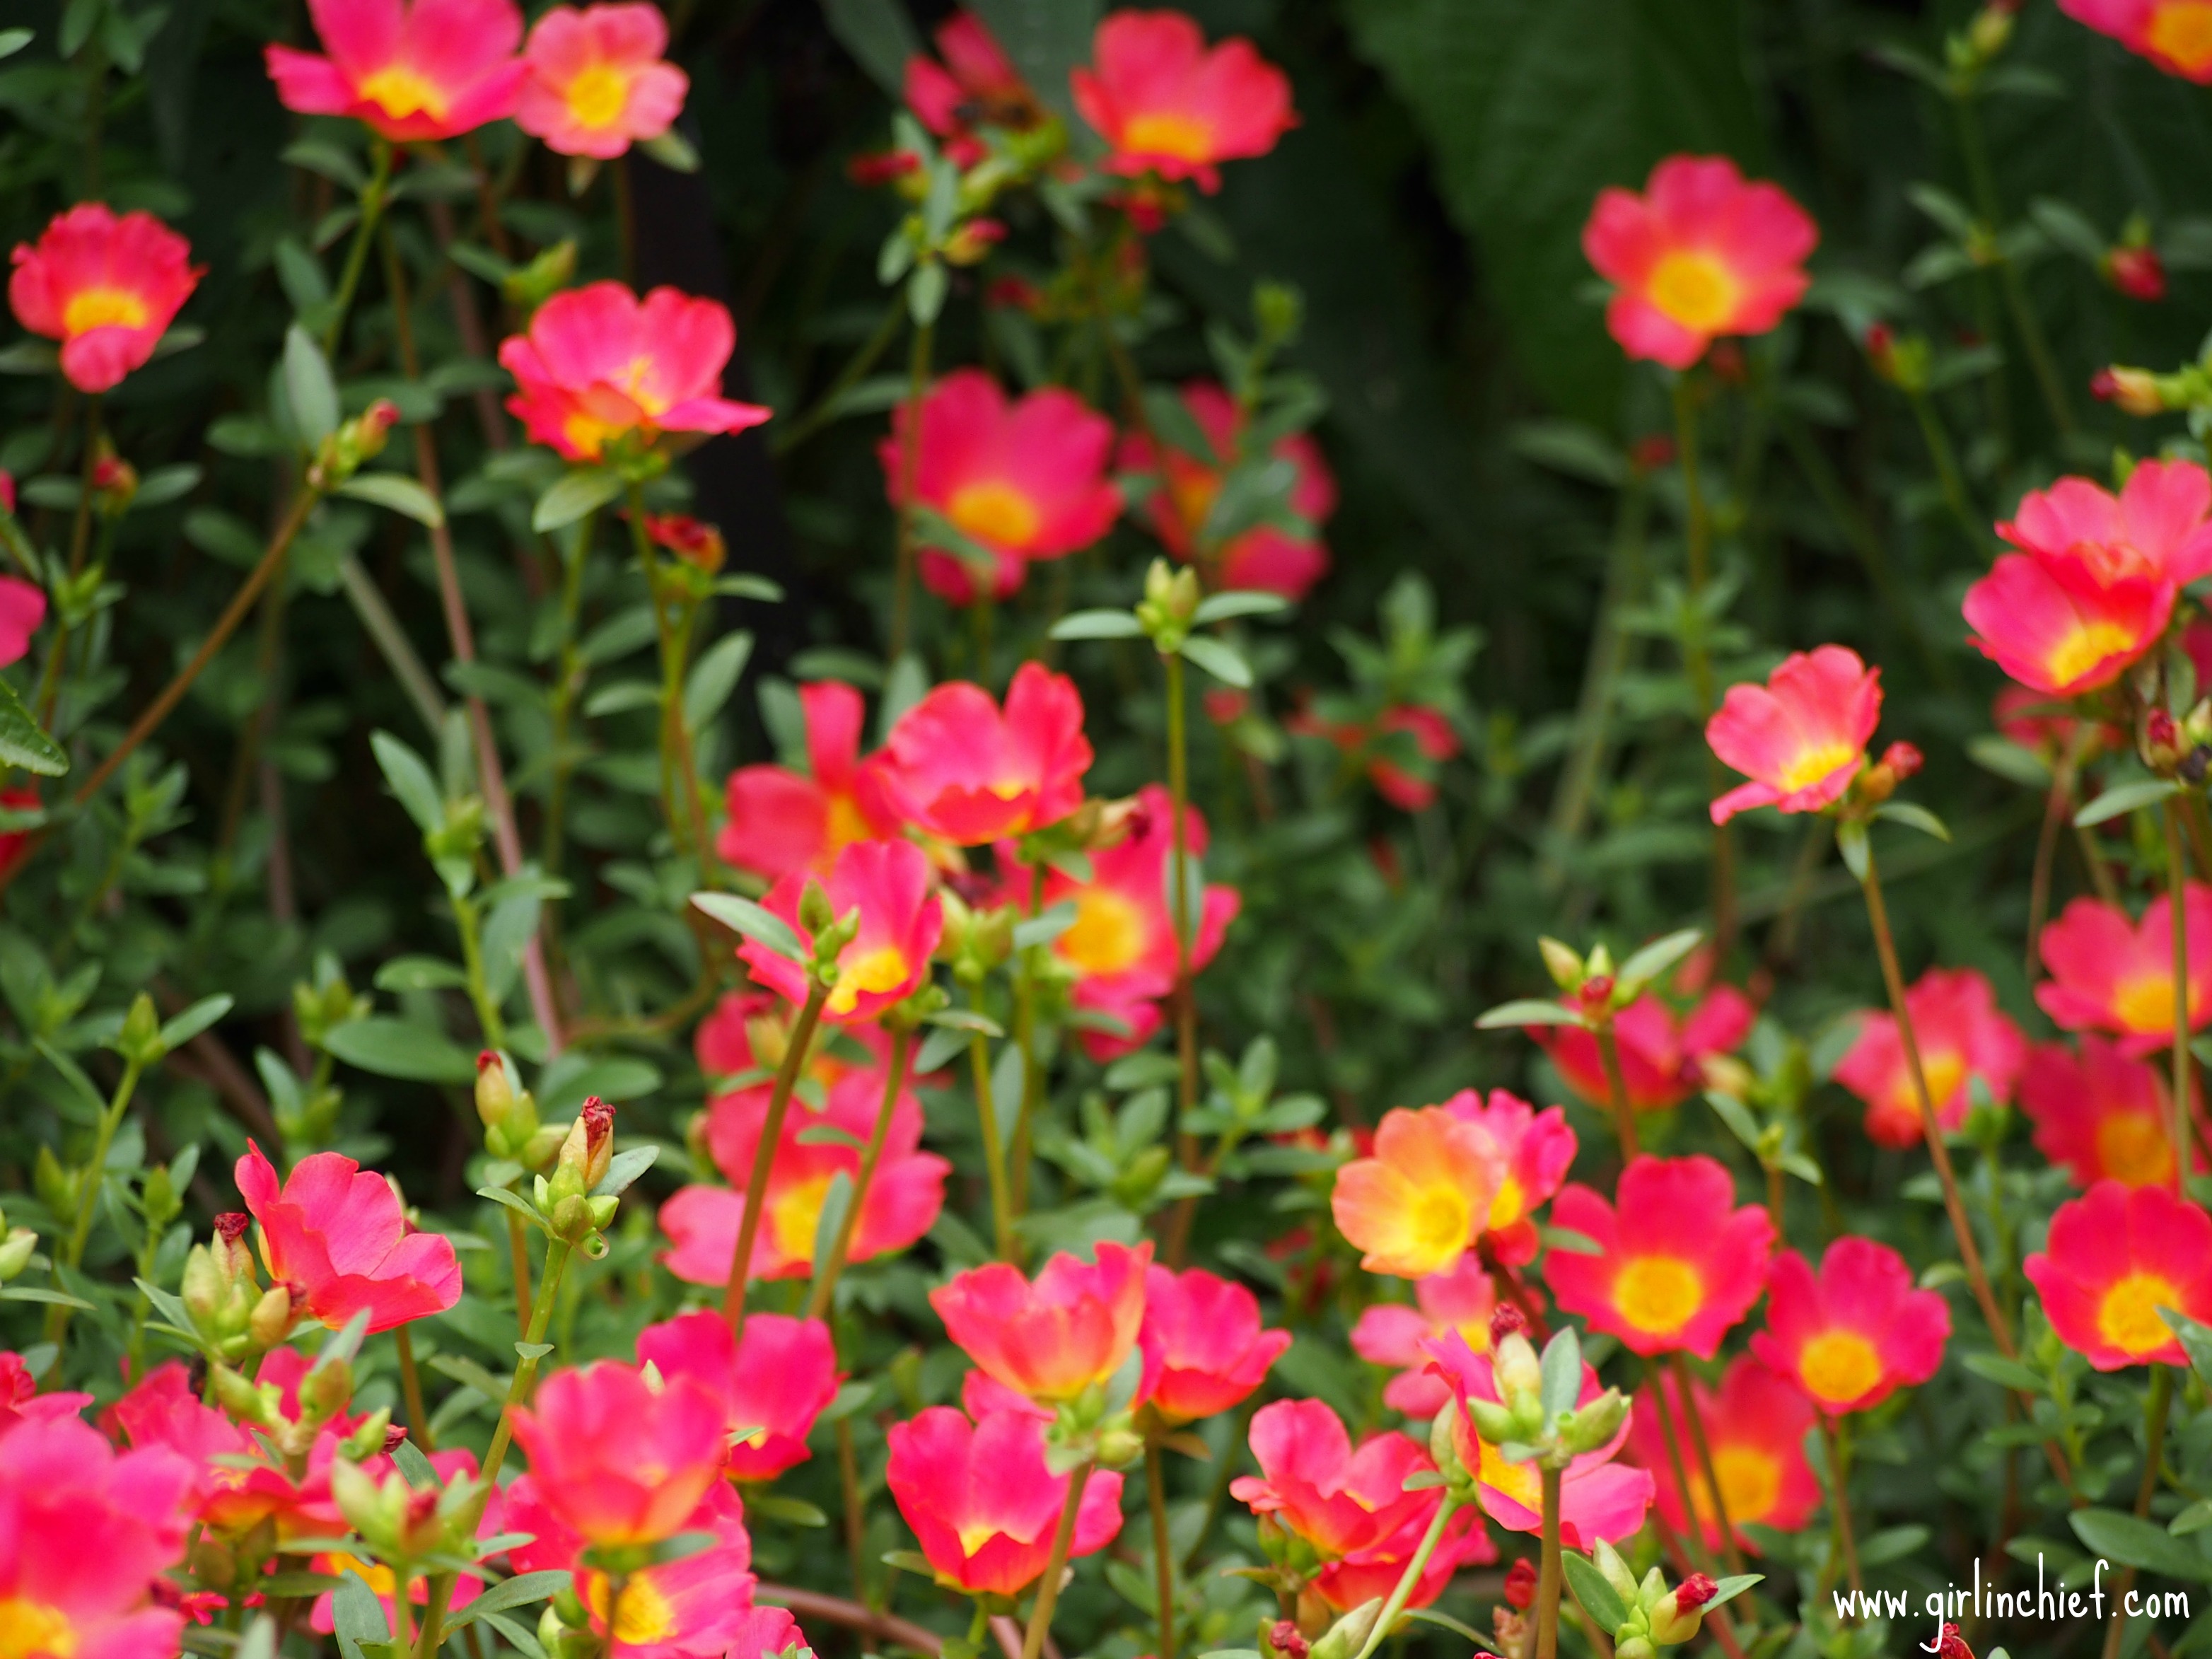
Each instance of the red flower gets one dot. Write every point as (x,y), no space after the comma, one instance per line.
(977,85)
(888,959)
(1802,737)
(1049,1341)
(2114,1257)
(982,1503)
(960,768)
(412,69)
(2101,1114)
(1169,106)
(1700,254)
(1962,1035)
(773,1383)
(106,287)
(597,82)
(337,1234)
(780,821)
(2108,976)
(618,1460)
(22,608)
(1662,1054)
(1755,1428)
(1855,1335)
(1202,1343)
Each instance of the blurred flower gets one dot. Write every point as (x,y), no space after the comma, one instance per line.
(1662,1054)
(1273,558)
(411,70)
(2131,390)
(1677,1265)
(1755,1426)
(1120,947)
(2101,1114)
(772,1383)
(780,821)
(2045,728)
(983,1503)
(1429,732)
(1802,737)
(960,768)
(84,1534)
(1961,1034)
(2137,272)
(693,541)
(336,1234)
(2109,975)
(597,81)
(1422,1199)
(2113,1258)
(1053,1339)
(888,959)
(2174,35)
(1599,1498)
(163,1408)
(599,364)
(1168,105)
(1699,254)
(1204,1350)
(107,287)
(1460,1299)
(1352,1506)
(617,1460)
(1538,1148)
(2157,525)
(975,85)
(1856,1334)
(903,1201)
(21,1402)
(1025,477)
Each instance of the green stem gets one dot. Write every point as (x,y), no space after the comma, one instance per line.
(778,1102)
(1693,1536)
(1025,1039)
(372,210)
(826,1273)
(517,1252)
(1616,1088)
(410,1387)
(1063,1540)
(1547,1572)
(50,673)
(1705,1467)
(994,1154)
(824,410)
(94,1178)
(679,773)
(1402,1591)
(1946,468)
(1164,1576)
(1186,1001)
(472,968)
(917,387)
(1839,1432)
(568,683)
(1984,179)
(2176,879)
(1697,532)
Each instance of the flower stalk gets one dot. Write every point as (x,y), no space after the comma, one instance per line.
(787,1075)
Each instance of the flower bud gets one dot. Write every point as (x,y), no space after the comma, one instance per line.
(326,1391)
(15,1252)
(815,913)
(1493,1422)
(377,1435)
(1677,1615)
(1519,1373)
(1991,28)
(1348,1635)
(1608,1561)
(2131,390)
(1636,1647)
(272,1318)
(1521,1584)
(1596,994)
(590,1147)
(1592,1425)
(1952,1645)
(247,1401)
(114,484)
(1562,961)
(968,245)
(1281,1640)
(495,1090)
(1507,1320)
(695,542)
(2137,272)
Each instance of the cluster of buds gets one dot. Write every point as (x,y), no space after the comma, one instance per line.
(1535,1418)
(509,1114)
(356,442)
(1878,780)
(324,1393)
(695,545)
(566,1201)
(1595,990)
(1655,1615)
(1169,608)
(975,943)
(114,482)
(1099,1424)
(2178,748)
(234,1318)
(400,1523)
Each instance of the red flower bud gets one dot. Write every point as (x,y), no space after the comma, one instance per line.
(2158,727)
(1953,1645)
(2137,272)
(869,171)
(1903,759)
(8,493)
(378,418)
(1285,1639)
(1697,1590)
(1597,991)
(694,541)
(1507,1320)
(1224,706)
(1013,293)
(230,1227)
(1521,1584)
(1652,451)
(1879,339)
(394,1437)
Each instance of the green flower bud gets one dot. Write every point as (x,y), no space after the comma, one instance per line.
(16,1251)
(1562,963)
(1592,1425)
(272,1318)
(1345,1638)
(1519,1373)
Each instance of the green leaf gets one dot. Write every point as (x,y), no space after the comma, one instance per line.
(2126,798)
(879,37)
(2007,1373)
(1734,1112)
(518,1591)
(623,1168)
(310,393)
(1046,925)
(1851,843)
(2008,760)
(195,1020)
(1562,1372)
(1218,660)
(357,1613)
(412,780)
(1527,1010)
(1657,958)
(21,743)
(582,489)
(1599,1598)
(753,921)
(2132,1541)
(1241,602)
(396,1047)
(713,677)
(2196,1340)
(397,492)
(1733,1586)
(1916,818)
(1097,625)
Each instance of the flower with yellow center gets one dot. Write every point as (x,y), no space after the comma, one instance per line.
(645,1615)
(1838,1367)
(794,1216)
(1657,1295)
(1751,1481)
(31,1628)
(2085,646)
(865,972)
(400,90)
(1416,1206)
(1695,290)
(2181,31)
(993,511)
(2135,1147)
(1174,133)
(2128,1316)
(1810,765)
(1109,934)
(102,307)
(2144,1002)
(598,96)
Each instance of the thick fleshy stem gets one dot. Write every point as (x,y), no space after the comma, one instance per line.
(1697,536)
(410,1388)
(1547,1569)
(995,1151)
(1185,1006)
(1156,1500)
(1616,1088)
(827,1273)
(2156,1407)
(1063,1540)
(2177,892)
(1402,1591)
(1705,1465)
(778,1102)
(1839,1433)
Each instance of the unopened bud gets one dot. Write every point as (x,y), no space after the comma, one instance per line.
(15,1252)
(2131,390)
(695,542)
(244,1401)
(1595,994)
(1521,1584)
(2137,272)
(1675,1616)
(1592,1425)
(590,1147)
(1952,1645)
(1991,28)
(1562,961)
(815,914)
(272,1318)
(1349,1634)
(326,1391)
(1507,1320)
(1519,1373)
(114,485)
(1282,1641)
(969,243)
(495,1089)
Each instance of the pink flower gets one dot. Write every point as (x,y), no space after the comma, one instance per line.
(1662,1054)
(702,1222)
(1962,1035)
(163,1409)
(412,69)
(107,287)
(1025,478)
(983,1503)
(2106,975)
(1677,1264)
(2157,526)
(599,365)
(773,1382)
(1121,948)
(1168,105)
(977,85)
(1599,1498)
(337,1234)
(2174,35)
(1802,737)
(780,821)
(2114,1257)
(888,959)
(20,1400)
(1267,557)
(22,608)
(2101,1114)
(1352,1506)
(618,1460)
(597,82)
(1460,1300)
(1202,1343)
(1755,1428)
(1858,1333)
(83,1535)
(1700,254)
(1051,1339)
(1538,1149)
(2056,628)
(960,769)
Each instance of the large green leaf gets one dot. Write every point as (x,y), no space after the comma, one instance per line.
(1530,107)
(21,743)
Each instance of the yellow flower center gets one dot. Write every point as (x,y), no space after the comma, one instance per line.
(2084,646)
(1169,132)
(102,307)
(1508,1206)
(2133,1147)
(587,435)
(645,1616)
(2129,1319)
(1108,934)
(400,91)
(795,1215)
(33,1627)
(1475,1332)
(1751,1481)
(1945,1070)
(2145,1002)
(865,972)
(843,824)
(374,1574)
(1518,1481)
(2181,31)
(1837,1366)
(1809,766)
(1194,493)
(1438,1221)
(1695,290)
(1657,1294)
(598,95)
(996,512)
(974,1535)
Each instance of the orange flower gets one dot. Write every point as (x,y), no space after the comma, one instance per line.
(1420,1202)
